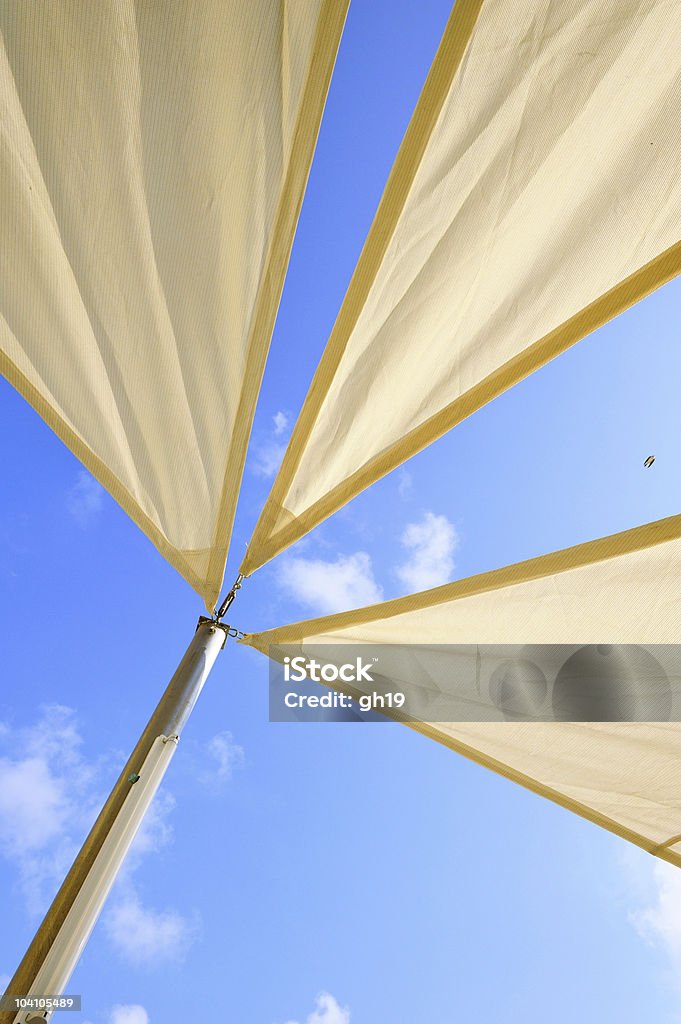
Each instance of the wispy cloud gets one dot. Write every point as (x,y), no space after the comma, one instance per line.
(133,1014)
(324,587)
(155,831)
(269,453)
(48,800)
(4,982)
(85,500)
(147,937)
(226,756)
(280,420)
(268,459)
(659,923)
(327,1011)
(405,484)
(140,934)
(431,544)
(49,797)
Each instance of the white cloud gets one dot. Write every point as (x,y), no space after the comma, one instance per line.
(268,454)
(133,1014)
(280,420)
(431,543)
(405,484)
(85,499)
(48,800)
(33,805)
(330,586)
(327,1011)
(4,982)
(268,459)
(155,831)
(660,922)
(55,736)
(145,936)
(138,933)
(226,755)
(49,797)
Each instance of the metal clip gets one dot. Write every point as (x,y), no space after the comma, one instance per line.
(231,594)
(224,628)
(236,633)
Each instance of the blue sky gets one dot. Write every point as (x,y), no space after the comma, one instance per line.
(333,874)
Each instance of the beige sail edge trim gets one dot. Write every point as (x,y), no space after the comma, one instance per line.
(626,542)
(627,293)
(332,17)
(118,491)
(660,850)
(450,53)
(304,139)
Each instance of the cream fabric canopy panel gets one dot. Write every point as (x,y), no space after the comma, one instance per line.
(536,195)
(620,589)
(153,160)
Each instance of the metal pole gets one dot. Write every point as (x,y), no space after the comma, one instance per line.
(54,952)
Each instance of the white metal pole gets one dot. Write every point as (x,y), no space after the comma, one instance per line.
(60,962)
(52,956)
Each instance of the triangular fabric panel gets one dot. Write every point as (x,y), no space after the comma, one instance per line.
(153,160)
(535,196)
(622,589)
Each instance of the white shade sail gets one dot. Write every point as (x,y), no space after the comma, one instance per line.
(622,589)
(153,160)
(535,196)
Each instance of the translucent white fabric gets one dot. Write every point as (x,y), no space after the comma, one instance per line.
(536,195)
(622,589)
(153,160)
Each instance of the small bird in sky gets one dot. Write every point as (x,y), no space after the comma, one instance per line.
(649,461)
